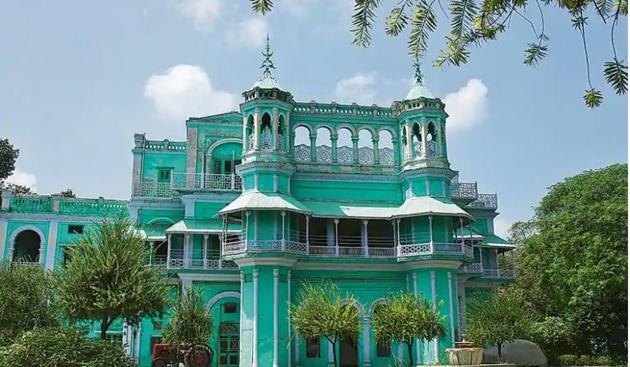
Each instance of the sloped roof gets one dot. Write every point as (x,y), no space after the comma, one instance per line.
(339,210)
(201,226)
(427,205)
(265,201)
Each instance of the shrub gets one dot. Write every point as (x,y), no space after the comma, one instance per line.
(63,348)
(568,360)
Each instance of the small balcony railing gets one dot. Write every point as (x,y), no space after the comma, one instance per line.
(435,248)
(464,190)
(178,260)
(205,181)
(499,273)
(474,268)
(487,201)
(152,189)
(239,247)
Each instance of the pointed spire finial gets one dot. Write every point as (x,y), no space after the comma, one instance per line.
(267,64)
(418,72)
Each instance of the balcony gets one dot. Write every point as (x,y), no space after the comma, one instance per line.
(464,191)
(477,270)
(205,182)
(187,182)
(177,260)
(37,204)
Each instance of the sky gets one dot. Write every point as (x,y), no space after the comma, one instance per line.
(79,78)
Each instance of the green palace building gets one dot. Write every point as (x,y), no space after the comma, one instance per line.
(257,202)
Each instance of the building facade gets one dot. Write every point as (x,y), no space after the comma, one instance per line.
(257,202)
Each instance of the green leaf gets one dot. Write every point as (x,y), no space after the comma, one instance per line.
(397,19)
(593,98)
(535,53)
(463,14)
(616,74)
(455,53)
(423,24)
(262,6)
(363,21)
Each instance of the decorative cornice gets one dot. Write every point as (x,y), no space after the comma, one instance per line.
(345,177)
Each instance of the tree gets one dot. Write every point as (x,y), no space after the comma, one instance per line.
(405,317)
(8,156)
(56,347)
(190,322)
(576,265)
(25,300)
(108,277)
(475,23)
(321,311)
(67,193)
(17,189)
(498,320)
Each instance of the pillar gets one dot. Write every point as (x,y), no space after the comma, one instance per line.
(333,138)
(205,251)
(355,149)
(51,245)
(313,138)
(274,127)
(423,143)
(375,149)
(409,153)
(336,236)
(168,250)
(364,238)
(257,129)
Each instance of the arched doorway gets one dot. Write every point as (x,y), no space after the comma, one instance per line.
(27,247)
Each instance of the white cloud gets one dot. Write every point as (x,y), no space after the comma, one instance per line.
(467,106)
(23,178)
(250,33)
(203,12)
(358,88)
(502,226)
(186,91)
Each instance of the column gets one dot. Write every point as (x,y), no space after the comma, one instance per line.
(331,353)
(375,149)
(257,129)
(51,245)
(274,126)
(355,149)
(255,336)
(431,232)
(275,317)
(423,143)
(364,238)
(168,250)
(205,252)
(151,251)
(434,299)
(187,250)
(336,236)
(395,240)
(461,292)
(409,140)
(366,342)
(396,148)
(439,132)
(451,313)
(307,233)
(415,292)
(398,237)
(313,138)
(283,244)
(3,236)
(289,315)
(333,138)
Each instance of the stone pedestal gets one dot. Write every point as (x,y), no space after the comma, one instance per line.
(464,356)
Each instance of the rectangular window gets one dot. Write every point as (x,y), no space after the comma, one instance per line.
(383,349)
(75,228)
(312,348)
(164,174)
(229,308)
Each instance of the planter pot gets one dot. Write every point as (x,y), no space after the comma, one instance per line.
(464,356)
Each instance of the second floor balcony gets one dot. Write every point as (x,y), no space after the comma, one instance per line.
(477,270)
(181,181)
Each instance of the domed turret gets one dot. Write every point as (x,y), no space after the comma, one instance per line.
(418,90)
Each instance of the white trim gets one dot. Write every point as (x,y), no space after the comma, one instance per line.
(221,295)
(27,227)
(3,237)
(51,247)
(255,334)
(275,317)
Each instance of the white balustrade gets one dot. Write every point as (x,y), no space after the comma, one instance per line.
(206,181)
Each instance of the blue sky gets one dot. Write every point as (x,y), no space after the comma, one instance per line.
(80,78)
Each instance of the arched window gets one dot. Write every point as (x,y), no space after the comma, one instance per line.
(416,136)
(431,138)
(280,145)
(323,145)
(403,142)
(249,134)
(302,144)
(366,147)
(344,146)
(27,247)
(385,148)
(266,133)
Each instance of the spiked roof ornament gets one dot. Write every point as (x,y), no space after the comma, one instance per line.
(418,71)
(418,90)
(267,65)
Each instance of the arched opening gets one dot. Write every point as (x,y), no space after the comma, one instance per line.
(249,134)
(344,146)
(416,136)
(27,247)
(385,148)
(431,138)
(280,145)
(323,145)
(302,144)
(403,141)
(366,147)
(225,310)
(266,134)
(348,348)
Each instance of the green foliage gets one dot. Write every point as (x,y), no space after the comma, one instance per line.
(63,348)
(475,22)
(321,311)
(108,278)
(25,301)
(567,360)
(16,189)
(576,264)
(405,317)
(552,334)
(190,322)
(8,156)
(67,193)
(500,320)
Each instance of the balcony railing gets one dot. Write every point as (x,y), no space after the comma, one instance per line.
(487,201)
(401,251)
(205,181)
(474,268)
(499,273)
(62,205)
(464,190)
(152,189)
(179,261)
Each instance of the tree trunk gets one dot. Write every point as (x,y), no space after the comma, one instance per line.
(104,326)
(334,346)
(410,352)
(499,352)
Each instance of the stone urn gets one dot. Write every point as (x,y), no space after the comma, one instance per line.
(464,354)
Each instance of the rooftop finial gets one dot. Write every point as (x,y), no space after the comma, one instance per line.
(267,64)
(418,74)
